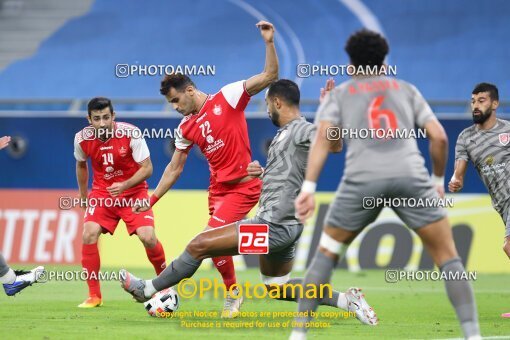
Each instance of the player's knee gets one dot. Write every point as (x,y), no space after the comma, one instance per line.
(91,233)
(506,248)
(199,246)
(148,239)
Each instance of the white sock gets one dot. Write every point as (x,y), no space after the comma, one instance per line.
(297,335)
(342,302)
(149,289)
(8,278)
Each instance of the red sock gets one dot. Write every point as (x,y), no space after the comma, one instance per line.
(157,257)
(225,266)
(91,263)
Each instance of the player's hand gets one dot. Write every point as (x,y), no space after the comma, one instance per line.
(440,190)
(116,188)
(305,206)
(4,141)
(455,184)
(254,169)
(139,207)
(330,85)
(266,30)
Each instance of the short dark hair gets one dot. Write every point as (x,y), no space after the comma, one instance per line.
(178,81)
(487,87)
(367,48)
(286,90)
(98,104)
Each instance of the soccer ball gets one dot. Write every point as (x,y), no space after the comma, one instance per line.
(163,303)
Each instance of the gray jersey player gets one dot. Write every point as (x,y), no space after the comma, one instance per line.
(486,145)
(282,180)
(392,168)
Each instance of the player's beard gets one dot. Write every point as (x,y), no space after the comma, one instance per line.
(482,117)
(275,117)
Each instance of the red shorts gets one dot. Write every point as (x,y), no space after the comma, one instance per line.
(108,211)
(229,203)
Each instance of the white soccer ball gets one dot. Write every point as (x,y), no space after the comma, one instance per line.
(163,303)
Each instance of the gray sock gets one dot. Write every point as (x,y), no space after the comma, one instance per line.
(318,273)
(4,268)
(181,268)
(293,294)
(461,297)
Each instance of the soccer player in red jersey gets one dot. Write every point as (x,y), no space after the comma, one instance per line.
(217,125)
(120,164)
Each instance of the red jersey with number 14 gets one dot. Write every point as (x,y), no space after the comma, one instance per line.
(220,131)
(114,160)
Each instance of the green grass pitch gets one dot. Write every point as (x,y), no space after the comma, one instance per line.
(407,310)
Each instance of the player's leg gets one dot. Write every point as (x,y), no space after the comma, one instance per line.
(209,243)
(432,225)
(153,248)
(275,269)
(506,245)
(438,239)
(14,281)
(345,219)
(233,204)
(142,224)
(91,263)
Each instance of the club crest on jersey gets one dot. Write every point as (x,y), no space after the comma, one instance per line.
(122,151)
(504,138)
(217,110)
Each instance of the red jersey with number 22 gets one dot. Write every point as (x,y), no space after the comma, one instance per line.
(220,131)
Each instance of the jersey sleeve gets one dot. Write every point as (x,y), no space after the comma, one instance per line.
(181,143)
(329,110)
(421,109)
(236,95)
(305,134)
(460,148)
(79,155)
(139,149)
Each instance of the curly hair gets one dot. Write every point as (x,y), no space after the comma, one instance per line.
(366,48)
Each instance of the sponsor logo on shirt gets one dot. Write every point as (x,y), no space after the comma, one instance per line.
(109,169)
(209,139)
(114,174)
(106,148)
(199,119)
(214,146)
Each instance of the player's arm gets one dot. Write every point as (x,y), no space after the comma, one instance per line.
(141,155)
(144,172)
(335,146)
(319,150)
(82,171)
(438,149)
(461,161)
(457,181)
(82,177)
(262,80)
(172,173)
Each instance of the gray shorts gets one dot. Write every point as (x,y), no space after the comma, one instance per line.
(347,210)
(282,239)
